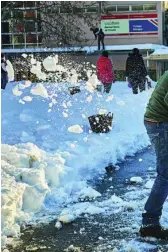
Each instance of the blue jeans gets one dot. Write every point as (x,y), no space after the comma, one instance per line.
(158,134)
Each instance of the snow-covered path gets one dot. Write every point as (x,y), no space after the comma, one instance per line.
(49,153)
(115,230)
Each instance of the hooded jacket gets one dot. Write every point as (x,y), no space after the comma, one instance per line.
(135,67)
(105,70)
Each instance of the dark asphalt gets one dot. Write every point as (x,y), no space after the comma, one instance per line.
(85,233)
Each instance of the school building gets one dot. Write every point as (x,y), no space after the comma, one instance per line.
(123,23)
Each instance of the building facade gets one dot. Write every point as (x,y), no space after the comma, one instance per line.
(123,22)
(21,27)
(132,22)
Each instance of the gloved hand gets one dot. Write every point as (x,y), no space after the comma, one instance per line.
(149,81)
(148,78)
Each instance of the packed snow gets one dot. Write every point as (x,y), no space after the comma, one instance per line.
(49,151)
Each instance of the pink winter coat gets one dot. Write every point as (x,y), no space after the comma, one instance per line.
(105,70)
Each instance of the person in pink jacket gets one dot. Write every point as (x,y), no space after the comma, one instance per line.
(105,71)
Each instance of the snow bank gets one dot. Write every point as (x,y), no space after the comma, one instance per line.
(45,166)
(86,48)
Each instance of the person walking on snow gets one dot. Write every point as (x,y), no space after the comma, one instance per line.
(136,73)
(105,71)
(4,74)
(156,123)
(101,36)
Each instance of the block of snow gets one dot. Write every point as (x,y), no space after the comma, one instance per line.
(24,55)
(151,168)
(116,199)
(58,225)
(16,91)
(49,63)
(21,101)
(149,184)
(28,83)
(33,61)
(27,98)
(65,114)
(75,129)
(67,218)
(40,90)
(88,192)
(136,180)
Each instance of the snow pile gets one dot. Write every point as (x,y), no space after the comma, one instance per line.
(45,166)
(88,49)
(75,128)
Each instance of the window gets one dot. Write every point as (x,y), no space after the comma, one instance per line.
(111,8)
(18,27)
(65,9)
(18,39)
(4,27)
(149,6)
(29,4)
(31,38)
(5,14)
(123,8)
(137,7)
(78,10)
(92,9)
(39,26)
(39,39)
(17,14)
(7,46)
(30,14)
(19,46)
(6,39)
(50,11)
(30,27)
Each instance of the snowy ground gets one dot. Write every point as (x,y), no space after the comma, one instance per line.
(115,229)
(49,152)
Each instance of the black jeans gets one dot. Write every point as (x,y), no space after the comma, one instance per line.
(107,87)
(4,80)
(102,42)
(137,83)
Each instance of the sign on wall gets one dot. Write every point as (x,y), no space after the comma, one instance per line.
(131,24)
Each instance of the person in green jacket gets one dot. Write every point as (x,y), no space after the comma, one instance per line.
(156,123)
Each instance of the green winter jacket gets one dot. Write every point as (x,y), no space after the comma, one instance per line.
(157,108)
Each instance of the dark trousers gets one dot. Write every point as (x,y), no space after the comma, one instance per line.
(158,134)
(102,42)
(107,87)
(4,80)
(137,83)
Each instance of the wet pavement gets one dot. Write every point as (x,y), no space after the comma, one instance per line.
(116,231)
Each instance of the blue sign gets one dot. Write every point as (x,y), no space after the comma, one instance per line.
(145,25)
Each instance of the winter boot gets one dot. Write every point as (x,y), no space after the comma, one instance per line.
(156,231)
